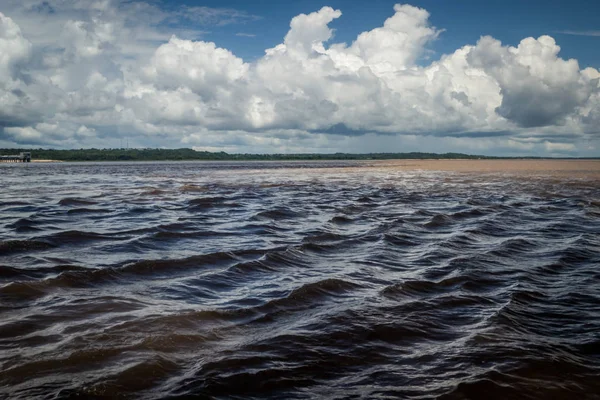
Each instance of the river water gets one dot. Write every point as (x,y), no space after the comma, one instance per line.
(297,280)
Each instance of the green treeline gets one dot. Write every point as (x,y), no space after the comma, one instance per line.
(189,155)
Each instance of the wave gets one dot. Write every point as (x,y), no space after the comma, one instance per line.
(182,280)
(81,277)
(276,214)
(438,221)
(174,235)
(25,225)
(540,379)
(340,219)
(17,246)
(73,201)
(78,237)
(84,210)
(211,202)
(154,192)
(12,203)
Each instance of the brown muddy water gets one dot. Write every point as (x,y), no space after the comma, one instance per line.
(408,279)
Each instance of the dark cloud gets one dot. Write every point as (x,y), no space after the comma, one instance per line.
(342,129)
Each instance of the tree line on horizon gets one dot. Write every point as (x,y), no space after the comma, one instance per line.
(186,154)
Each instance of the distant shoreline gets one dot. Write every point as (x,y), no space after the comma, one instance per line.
(336,159)
(184,154)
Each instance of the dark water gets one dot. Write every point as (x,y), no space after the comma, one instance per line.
(297,280)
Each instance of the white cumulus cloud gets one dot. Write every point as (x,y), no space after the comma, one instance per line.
(108,73)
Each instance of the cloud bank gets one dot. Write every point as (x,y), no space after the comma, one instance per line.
(86,73)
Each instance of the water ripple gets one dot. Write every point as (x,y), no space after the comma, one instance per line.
(297,280)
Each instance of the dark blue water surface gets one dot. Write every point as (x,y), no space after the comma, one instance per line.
(296,280)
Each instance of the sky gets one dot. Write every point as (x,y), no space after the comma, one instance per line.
(504,77)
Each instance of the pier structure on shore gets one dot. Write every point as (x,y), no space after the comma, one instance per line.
(21,157)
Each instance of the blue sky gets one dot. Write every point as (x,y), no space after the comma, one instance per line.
(481,77)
